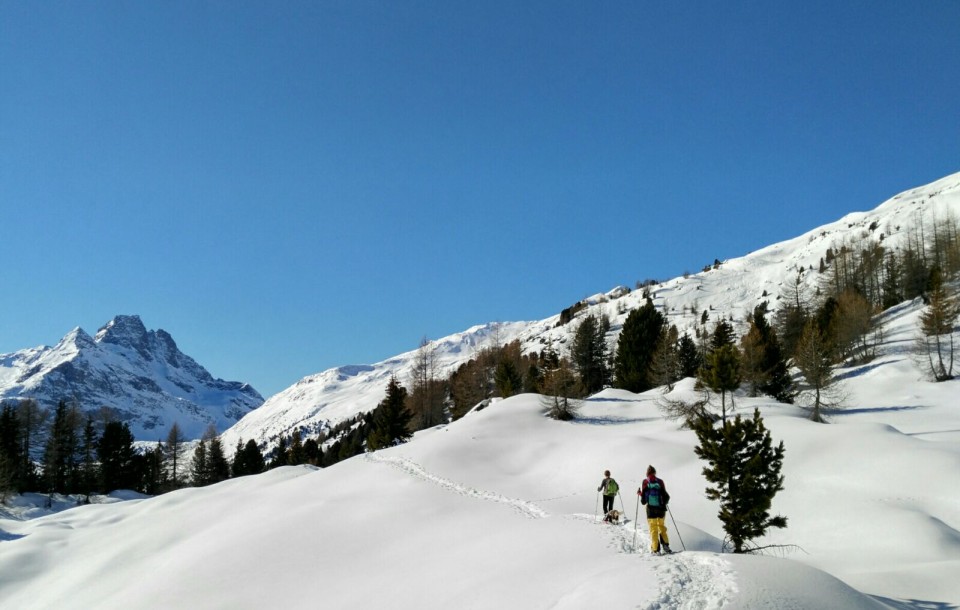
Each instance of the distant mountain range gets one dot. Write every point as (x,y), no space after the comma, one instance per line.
(140,374)
(730,288)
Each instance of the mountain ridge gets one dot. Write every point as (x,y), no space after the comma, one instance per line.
(141,374)
(729,289)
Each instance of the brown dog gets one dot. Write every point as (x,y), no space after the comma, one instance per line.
(612,517)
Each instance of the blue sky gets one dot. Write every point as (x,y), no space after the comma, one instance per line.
(287,187)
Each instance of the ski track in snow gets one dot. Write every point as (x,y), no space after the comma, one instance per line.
(688,581)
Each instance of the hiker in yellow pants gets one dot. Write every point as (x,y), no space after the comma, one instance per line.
(653,494)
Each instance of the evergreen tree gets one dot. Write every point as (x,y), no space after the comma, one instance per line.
(533,379)
(507,378)
(588,353)
(311,449)
(391,420)
(155,479)
(764,366)
(248,459)
(665,368)
(688,357)
(116,453)
(198,469)
(723,334)
(10,446)
(743,469)
(296,455)
(88,471)
(60,454)
(721,373)
(635,348)
(218,468)
(280,453)
(33,419)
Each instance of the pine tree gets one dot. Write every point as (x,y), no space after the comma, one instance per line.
(218,469)
(60,454)
(721,373)
(391,420)
(507,378)
(10,445)
(116,454)
(198,469)
(280,453)
(635,348)
(688,356)
(743,469)
(723,334)
(764,366)
(296,455)
(248,459)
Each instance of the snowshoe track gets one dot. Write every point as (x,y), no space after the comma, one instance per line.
(688,581)
(528,509)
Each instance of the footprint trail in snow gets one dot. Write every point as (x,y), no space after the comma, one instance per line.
(688,581)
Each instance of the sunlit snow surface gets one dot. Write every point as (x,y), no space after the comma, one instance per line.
(498,509)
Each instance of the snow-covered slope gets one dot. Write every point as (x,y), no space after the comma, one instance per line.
(141,374)
(733,288)
(497,510)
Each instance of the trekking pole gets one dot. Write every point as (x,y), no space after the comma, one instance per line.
(676,528)
(622,507)
(636,514)
(596,508)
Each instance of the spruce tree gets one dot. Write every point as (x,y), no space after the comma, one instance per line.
(116,454)
(60,454)
(636,347)
(507,378)
(198,469)
(218,469)
(588,353)
(743,470)
(391,420)
(248,459)
(764,365)
(10,444)
(721,373)
(296,455)
(688,356)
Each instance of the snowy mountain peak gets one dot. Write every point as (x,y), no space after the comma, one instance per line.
(141,374)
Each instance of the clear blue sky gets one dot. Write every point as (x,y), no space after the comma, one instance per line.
(288,186)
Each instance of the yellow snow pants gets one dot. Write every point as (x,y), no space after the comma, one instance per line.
(658,532)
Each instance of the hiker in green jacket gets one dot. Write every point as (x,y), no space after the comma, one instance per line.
(609,488)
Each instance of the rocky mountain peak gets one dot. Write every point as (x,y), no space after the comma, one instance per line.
(126,331)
